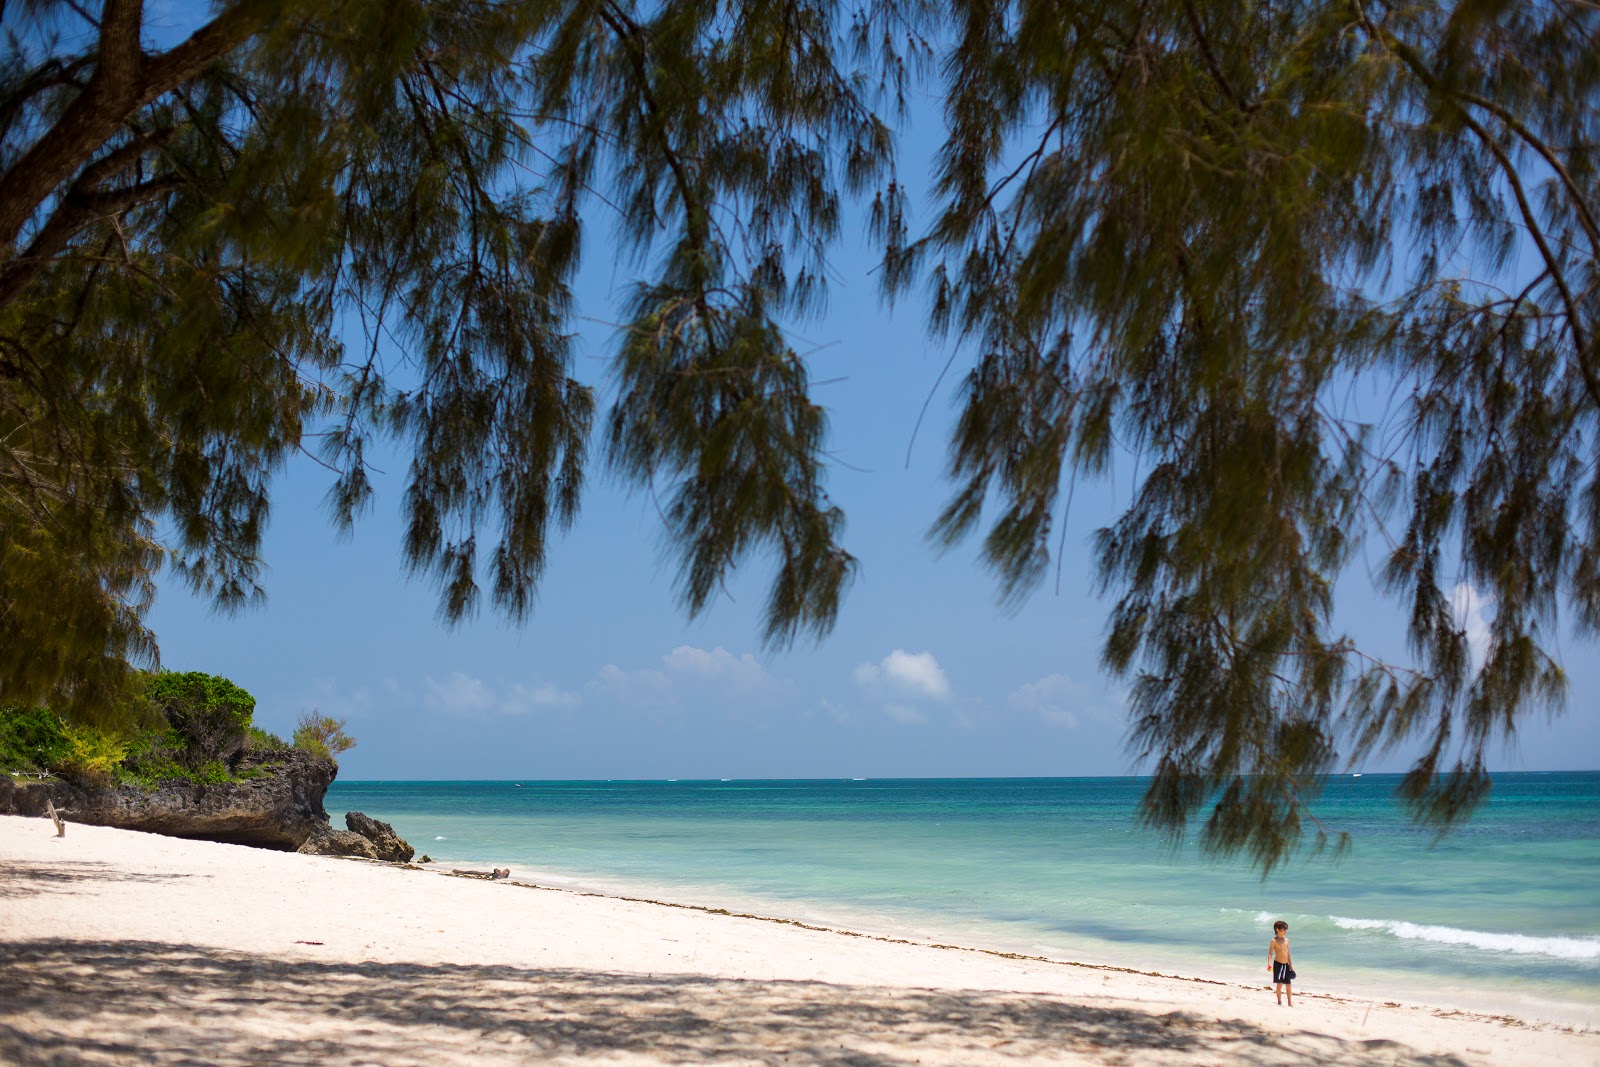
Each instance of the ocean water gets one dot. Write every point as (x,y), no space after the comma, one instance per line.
(1503,915)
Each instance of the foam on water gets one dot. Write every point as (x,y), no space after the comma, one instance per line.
(1561,948)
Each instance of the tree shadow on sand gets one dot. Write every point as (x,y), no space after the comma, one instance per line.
(85,1002)
(25,879)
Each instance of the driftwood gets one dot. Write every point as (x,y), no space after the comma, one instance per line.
(494,875)
(55,817)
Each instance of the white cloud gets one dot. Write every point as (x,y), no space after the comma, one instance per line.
(633,688)
(914,673)
(459,694)
(1472,609)
(1061,701)
(717,665)
(690,675)
(464,694)
(521,699)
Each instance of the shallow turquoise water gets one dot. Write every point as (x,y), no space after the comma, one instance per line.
(1503,914)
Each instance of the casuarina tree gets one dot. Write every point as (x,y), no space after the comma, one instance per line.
(1176,230)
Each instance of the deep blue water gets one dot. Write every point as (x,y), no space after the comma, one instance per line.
(1504,913)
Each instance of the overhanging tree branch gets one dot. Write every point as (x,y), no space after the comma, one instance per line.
(83,203)
(124,80)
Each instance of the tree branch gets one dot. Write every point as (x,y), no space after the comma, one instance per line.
(121,58)
(124,81)
(51,75)
(1414,62)
(84,203)
(1211,59)
(695,218)
(1585,217)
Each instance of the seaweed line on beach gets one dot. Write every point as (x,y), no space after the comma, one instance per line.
(1504,1020)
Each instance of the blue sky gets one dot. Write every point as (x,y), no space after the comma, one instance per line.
(925,675)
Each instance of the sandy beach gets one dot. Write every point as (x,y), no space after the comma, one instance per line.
(121,947)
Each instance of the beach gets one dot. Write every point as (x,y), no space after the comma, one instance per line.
(1500,917)
(122,947)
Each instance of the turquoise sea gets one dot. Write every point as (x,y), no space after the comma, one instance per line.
(1502,915)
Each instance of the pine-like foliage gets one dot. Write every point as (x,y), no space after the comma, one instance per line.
(1176,230)
(191,236)
(1192,232)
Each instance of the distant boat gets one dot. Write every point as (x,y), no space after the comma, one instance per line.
(858,779)
(519,785)
(724,779)
(1356,775)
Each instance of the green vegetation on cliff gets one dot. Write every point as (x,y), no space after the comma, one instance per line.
(186,726)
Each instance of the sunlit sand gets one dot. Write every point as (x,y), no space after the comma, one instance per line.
(120,947)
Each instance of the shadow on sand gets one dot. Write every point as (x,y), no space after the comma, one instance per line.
(87,1002)
(25,879)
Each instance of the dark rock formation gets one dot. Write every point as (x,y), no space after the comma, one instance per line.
(366,838)
(389,845)
(326,841)
(28,798)
(276,804)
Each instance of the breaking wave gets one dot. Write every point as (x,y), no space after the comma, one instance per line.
(1564,948)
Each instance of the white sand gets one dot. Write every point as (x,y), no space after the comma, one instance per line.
(120,947)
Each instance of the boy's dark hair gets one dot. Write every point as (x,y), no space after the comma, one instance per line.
(1279,925)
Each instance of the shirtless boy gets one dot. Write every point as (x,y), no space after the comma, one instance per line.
(1278,962)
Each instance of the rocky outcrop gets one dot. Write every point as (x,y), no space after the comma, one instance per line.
(365,839)
(388,844)
(327,841)
(29,797)
(275,803)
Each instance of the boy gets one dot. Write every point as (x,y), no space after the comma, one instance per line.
(1278,962)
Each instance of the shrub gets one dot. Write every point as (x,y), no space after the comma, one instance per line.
(32,739)
(162,756)
(94,755)
(322,735)
(210,715)
(153,757)
(259,742)
(191,727)
(213,773)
